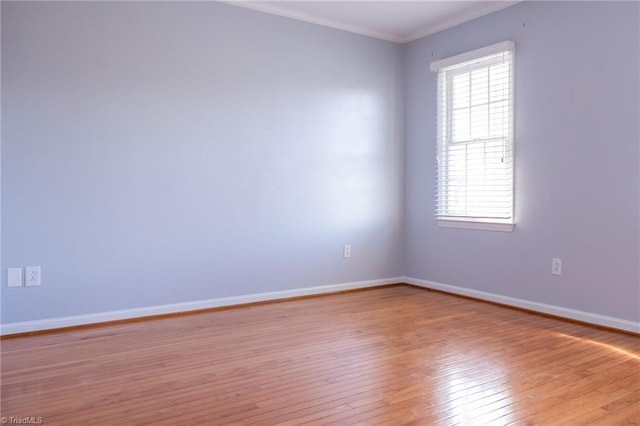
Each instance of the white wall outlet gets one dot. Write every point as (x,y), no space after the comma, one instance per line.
(14,277)
(32,276)
(346,251)
(556,266)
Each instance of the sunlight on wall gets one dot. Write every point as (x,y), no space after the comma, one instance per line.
(355,137)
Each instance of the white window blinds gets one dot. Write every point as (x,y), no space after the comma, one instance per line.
(475,136)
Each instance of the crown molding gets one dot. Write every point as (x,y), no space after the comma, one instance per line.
(449,23)
(267,7)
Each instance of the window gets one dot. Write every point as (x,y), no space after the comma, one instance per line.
(475,139)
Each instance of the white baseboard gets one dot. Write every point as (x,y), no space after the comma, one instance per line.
(76,320)
(558,311)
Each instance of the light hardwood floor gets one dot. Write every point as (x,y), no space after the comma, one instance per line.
(392,355)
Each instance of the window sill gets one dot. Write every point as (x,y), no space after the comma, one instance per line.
(482,226)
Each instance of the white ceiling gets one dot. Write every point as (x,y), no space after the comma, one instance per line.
(399,21)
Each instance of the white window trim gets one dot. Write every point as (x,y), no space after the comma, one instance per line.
(460,60)
(480,225)
(472,55)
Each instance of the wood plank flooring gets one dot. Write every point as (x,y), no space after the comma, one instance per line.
(391,355)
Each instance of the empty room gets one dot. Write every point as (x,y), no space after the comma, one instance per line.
(308,212)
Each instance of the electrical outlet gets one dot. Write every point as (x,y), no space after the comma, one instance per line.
(14,277)
(556,266)
(346,251)
(32,278)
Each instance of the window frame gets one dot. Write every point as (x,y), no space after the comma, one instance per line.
(467,60)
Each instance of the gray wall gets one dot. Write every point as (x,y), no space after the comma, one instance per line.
(577,160)
(161,152)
